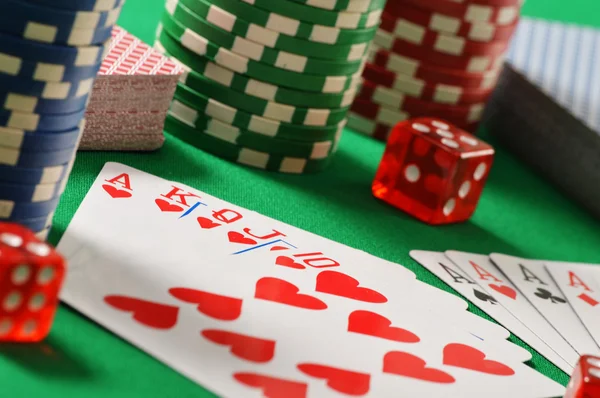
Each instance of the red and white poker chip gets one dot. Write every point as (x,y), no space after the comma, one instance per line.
(442,42)
(413,18)
(463,11)
(413,79)
(468,63)
(380,96)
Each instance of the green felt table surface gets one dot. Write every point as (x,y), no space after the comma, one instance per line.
(519,214)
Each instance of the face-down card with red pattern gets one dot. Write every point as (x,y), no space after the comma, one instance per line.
(247,306)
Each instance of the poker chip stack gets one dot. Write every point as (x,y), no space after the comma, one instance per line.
(130,97)
(438,58)
(268,83)
(50,53)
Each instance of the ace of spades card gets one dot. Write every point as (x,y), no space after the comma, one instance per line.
(533,281)
(245,326)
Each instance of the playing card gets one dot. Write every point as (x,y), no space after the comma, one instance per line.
(247,326)
(451,274)
(581,289)
(533,281)
(480,268)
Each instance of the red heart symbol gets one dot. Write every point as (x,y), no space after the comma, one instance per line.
(275,248)
(288,262)
(505,290)
(273,387)
(207,223)
(340,380)
(280,291)
(338,284)
(236,237)
(372,324)
(224,308)
(405,364)
(463,356)
(165,206)
(116,193)
(154,315)
(246,347)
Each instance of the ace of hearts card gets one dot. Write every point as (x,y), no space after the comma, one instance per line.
(248,306)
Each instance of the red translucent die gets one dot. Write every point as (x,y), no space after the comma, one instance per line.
(585,382)
(31,274)
(433,171)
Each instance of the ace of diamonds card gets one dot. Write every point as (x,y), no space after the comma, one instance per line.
(249,307)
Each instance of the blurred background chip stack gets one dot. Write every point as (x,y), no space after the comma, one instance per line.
(268,83)
(50,53)
(438,58)
(130,98)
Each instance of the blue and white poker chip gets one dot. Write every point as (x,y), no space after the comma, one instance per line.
(11,210)
(54,54)
(39,141)
(33,104)
(44,71)
(40,122)
(39,29)
(21,158)
(34,175)
(46,90)
(37,224)
(30,193)
(81,5)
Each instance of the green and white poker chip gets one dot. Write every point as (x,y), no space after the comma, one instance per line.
(270,38)
(258,52)
(298,80)
(243,155)
(203,68)
(348,31)
(343,5)
(202,106)
(228,133)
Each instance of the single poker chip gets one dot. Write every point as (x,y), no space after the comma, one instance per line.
(467,63)
(176,38)
(202,107)
(35,28)
(11,210)
(244,156)
(37,142)
(379,96)
(260,53)
(53,54)
(296,26)
(44,71)
(30,159)
(267,109)
(344,5)
(34,175)
(407,77)
(40,122)
(465,11)
(33,104)
(381,131)
(36,224)
(259,142)
(81,5)
(265,91)
(267,37)
(46,90)
(390,117)
(477,31)
(30,193)
(51,18)
(440,42)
